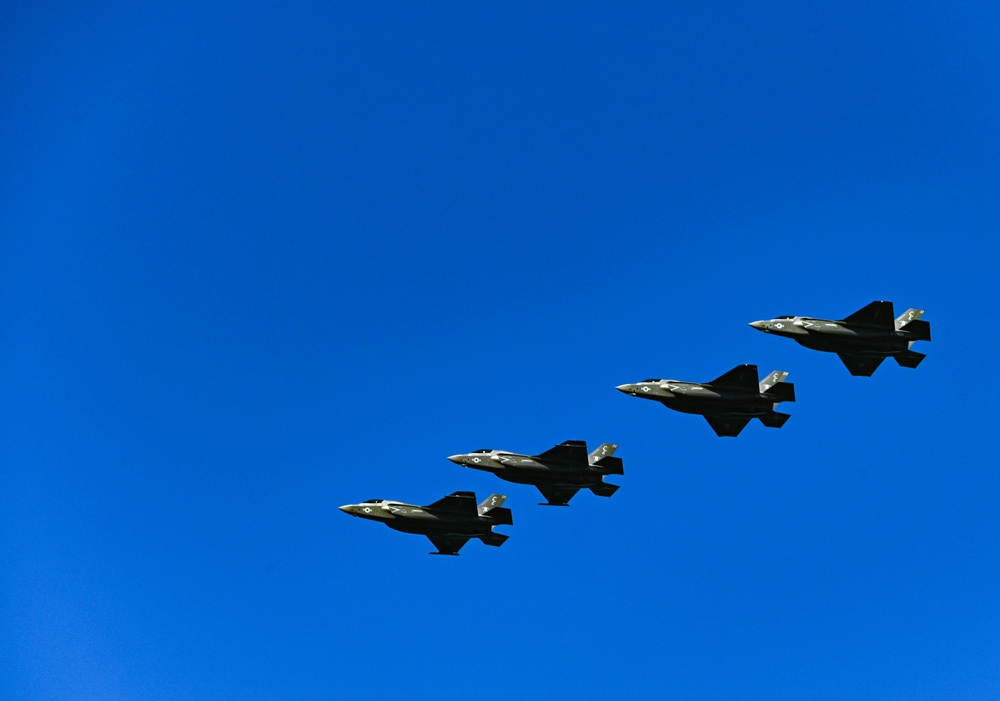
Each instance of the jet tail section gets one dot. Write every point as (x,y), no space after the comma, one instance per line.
(492,502)
(909,359)
(603,460)
(501,516)
(782,392)
(908,316)
(494,539)
(921,330)
(775,419)
(603,489)
(610,466)
(772,379)
(604,450)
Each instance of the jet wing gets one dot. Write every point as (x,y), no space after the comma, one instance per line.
(726,425)
(740,377)
(570,451)
(863,365)
(448,545)
(558,496)
(462,502)
(875,314)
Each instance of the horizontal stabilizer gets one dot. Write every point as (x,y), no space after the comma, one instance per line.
(740,377)
(726,425)
(462,502)
(610,466)
(919,330)
(875,314)
(494,539)
(501,516)
(782,392)
(568,451)
(775,419)
(861,365)
(909,359)
(603,489)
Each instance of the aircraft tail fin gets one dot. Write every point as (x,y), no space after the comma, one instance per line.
(775,419)
(604,450)
(494,539)
(604,489)
(771,380)
(603,459)
(908,316)
(909,359)
(492,502)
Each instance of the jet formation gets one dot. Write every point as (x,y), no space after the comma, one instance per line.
(729,402)
(449,523)
(862,340)
(558,473)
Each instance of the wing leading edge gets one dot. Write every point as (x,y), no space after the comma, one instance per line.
(740,377)
(726,425)
(570,451)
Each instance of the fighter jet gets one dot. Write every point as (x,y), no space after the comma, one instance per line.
(727,402)
(862,340)
(449,522)
(558,473)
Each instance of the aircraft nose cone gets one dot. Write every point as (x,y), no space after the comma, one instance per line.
(346,509)
(457,459)
(759,325)
(624,388)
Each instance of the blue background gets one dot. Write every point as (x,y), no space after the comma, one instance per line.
(256,263)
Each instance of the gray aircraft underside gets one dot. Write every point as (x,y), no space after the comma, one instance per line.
(558,473)
(728,402)
(449,523)
(862,340)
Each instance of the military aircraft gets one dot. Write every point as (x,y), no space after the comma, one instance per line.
(558,473)
(449,522)
(862,340)
(727,402)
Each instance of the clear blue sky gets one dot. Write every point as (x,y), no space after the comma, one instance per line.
(256,263)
